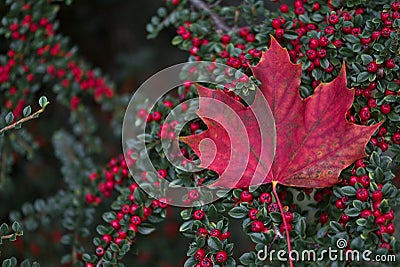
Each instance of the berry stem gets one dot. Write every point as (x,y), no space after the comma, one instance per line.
(274,184)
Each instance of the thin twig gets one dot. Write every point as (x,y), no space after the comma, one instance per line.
(277,235)
(219,23)
(4,237)
(215,4)
(99,264)
(28,118)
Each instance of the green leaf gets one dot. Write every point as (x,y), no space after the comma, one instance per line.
(43,101)
(3,228)
(362,76)
(16,227)
(238,212)
(146,228)
(366,59)
(214,243)
(301,227)
(9,118)
(336,227)
(349,190)
(353,212)
(27,111)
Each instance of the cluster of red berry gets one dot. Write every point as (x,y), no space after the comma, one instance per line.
(37,53)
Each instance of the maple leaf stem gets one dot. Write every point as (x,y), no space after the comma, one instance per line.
(274,184)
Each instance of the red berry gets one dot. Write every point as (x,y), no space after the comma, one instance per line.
(156,116)
(311,54)
(385,32)
(396,138)
(246,196)
(377,195)
(316,6)
(136,220)
(257,226)
(333,19)
(284,8)
(339,204)
(250,38)
(221,256)
(99,251)
(389,216)
(107,238)
(288,216)
(386,108)
(115,224)
(380,220)
(323,218)
(206,262)
(375,35)
(313,43)
(372,67)
(243,32)
(200,254)
(364,180)
(279,33)
(198,215)
(366,213)
(390,63)
(194,194)
(226,235)
(202,232)
(289,228)
(225,38)
(362,194)
(215,233)
(390,228)
(372,103)
(385,15)
(364,114)
(267,198)
(253,214)
(345,218)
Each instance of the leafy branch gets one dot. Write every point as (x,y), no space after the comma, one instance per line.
(43,104)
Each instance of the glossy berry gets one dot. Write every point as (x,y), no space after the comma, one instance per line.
(364,180)
(221,256)
(225,38)
(206,262)
(364,114)
(198,215)
(253,214)
(99,251)
(288,216)
(386,108)
(340,204)
(323,218)
(333,19)
(156,116)
(372,67)
(266,197)
(396,138)
(377,195)
(366,213)
(362,194)
(246,196)
(215,233)
(257,226)
(200,254)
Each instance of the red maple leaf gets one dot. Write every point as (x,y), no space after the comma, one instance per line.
(314,141)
